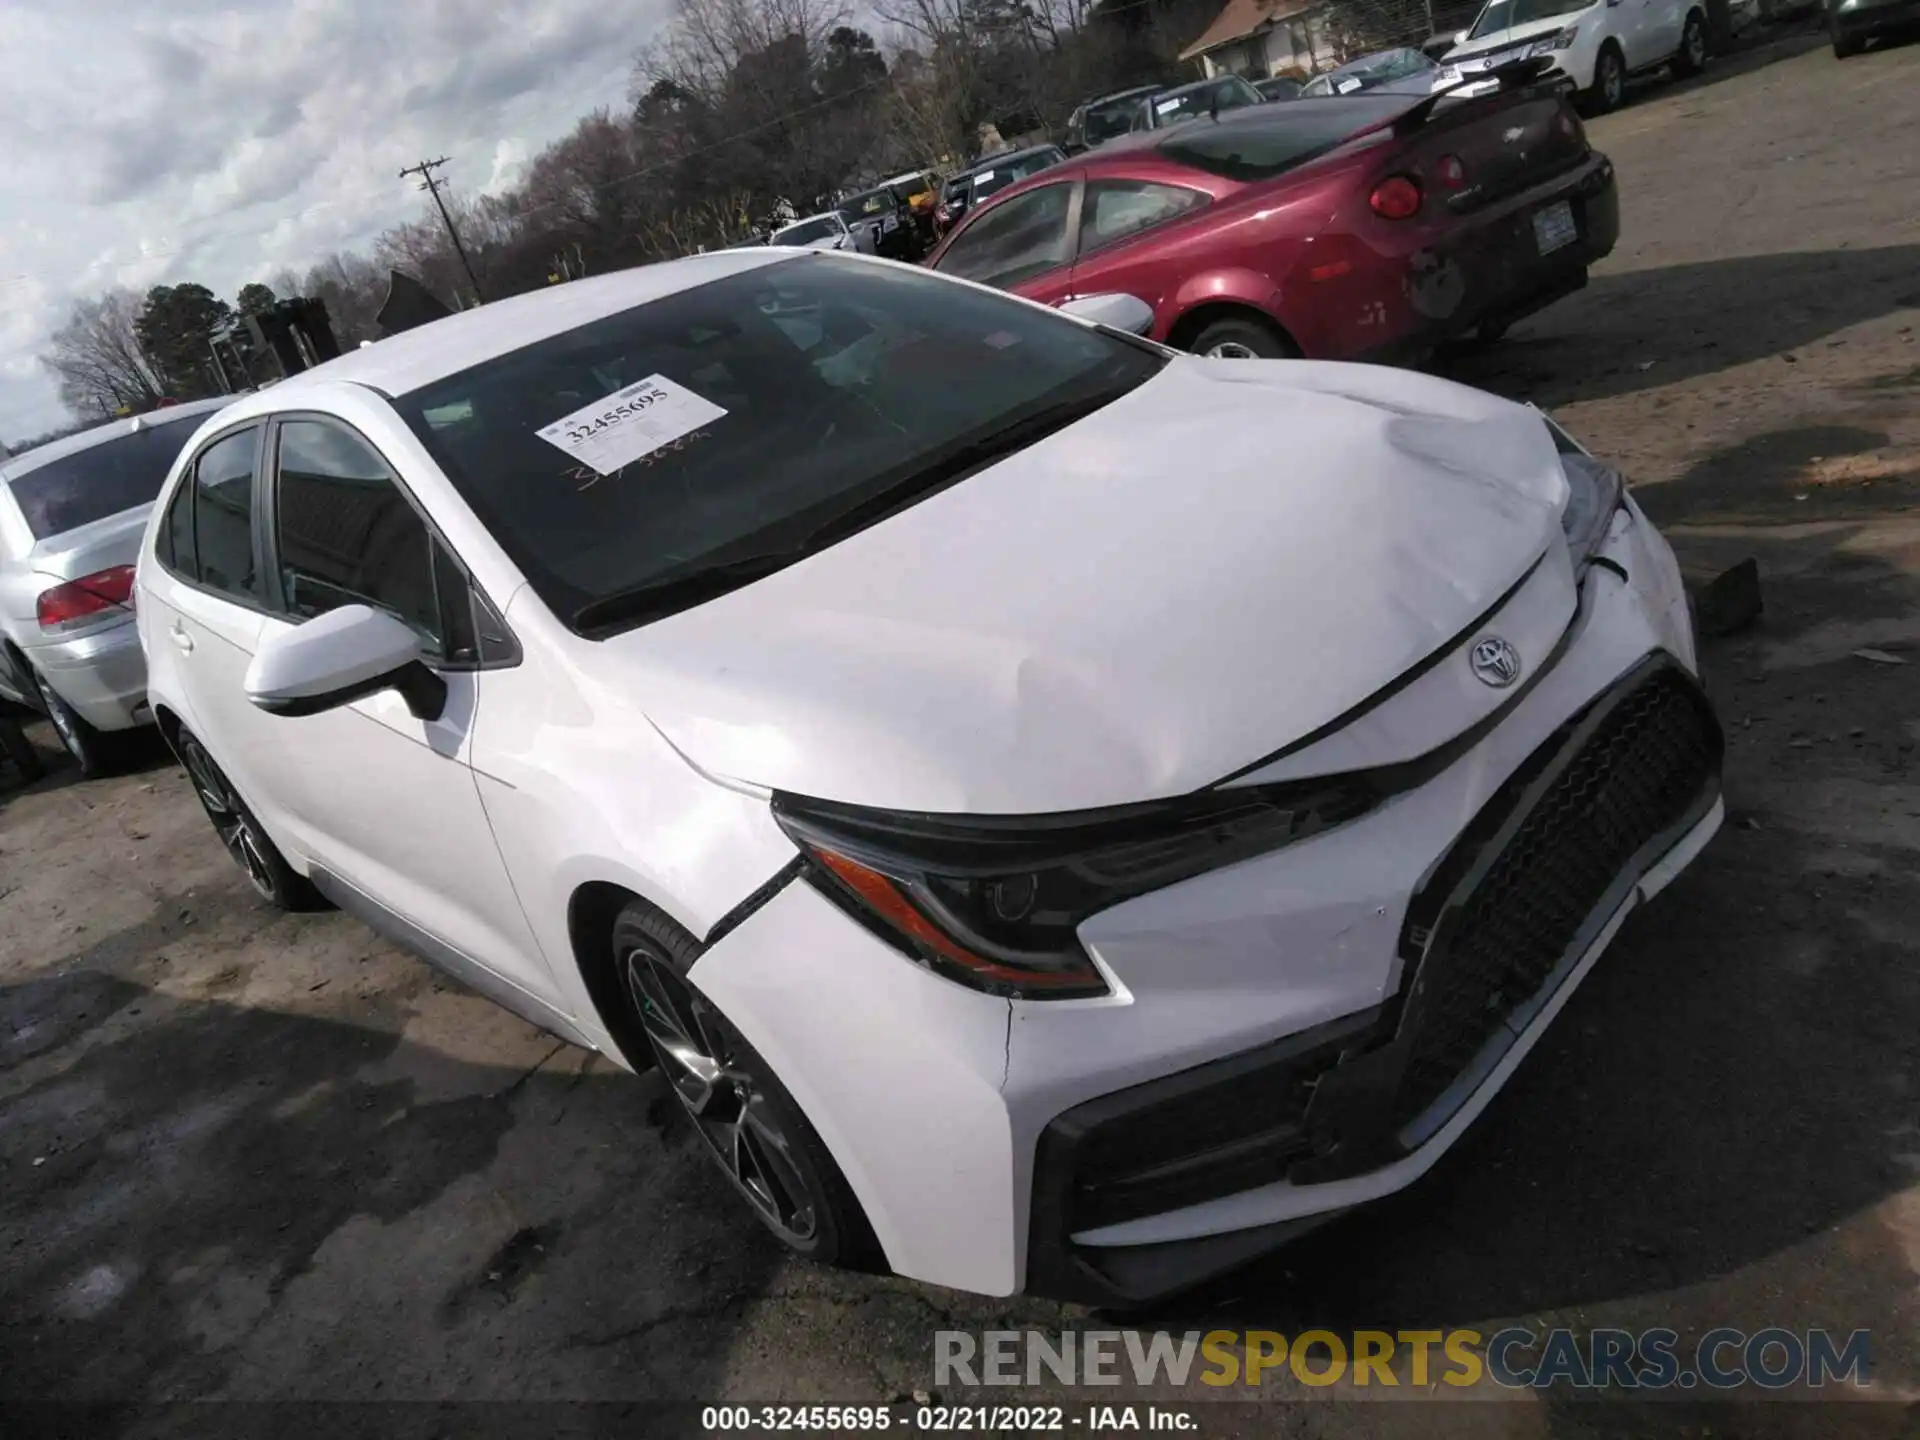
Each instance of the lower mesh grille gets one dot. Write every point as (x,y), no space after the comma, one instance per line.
(1638,774)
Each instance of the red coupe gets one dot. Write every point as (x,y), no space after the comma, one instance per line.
(1356,228)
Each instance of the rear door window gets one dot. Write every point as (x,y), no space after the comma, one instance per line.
(1116,209)
(224,545)
(1014,241)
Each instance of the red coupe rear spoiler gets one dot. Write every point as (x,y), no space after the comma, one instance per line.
(1514,75)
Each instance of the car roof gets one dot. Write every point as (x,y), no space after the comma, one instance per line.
(1005,157)
(33,459)
(1125,149)
(1127,94)
(809,219)
(1193,85)
(414,358)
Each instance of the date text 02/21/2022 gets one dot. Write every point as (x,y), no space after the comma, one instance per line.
(947,1419)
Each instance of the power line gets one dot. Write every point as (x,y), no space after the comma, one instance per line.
(425,171)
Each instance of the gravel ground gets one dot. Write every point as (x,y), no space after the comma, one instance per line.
(257,1157)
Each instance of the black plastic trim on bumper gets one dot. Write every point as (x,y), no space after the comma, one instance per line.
(1360,1064)
(1123,1275)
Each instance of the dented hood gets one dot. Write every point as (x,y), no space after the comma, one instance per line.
(1213,566)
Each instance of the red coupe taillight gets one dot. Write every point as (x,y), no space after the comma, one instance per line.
(1450,172)
(78,600)
(1395,198)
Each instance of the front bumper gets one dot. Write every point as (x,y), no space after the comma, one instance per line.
(1172,1181)
(101,674)
(999,1146)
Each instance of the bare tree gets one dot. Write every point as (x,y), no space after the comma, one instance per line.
(353,287)
(97,360)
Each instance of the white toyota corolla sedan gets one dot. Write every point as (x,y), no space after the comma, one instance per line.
(1064,815)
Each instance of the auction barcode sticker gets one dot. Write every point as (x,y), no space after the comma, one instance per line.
(612,433)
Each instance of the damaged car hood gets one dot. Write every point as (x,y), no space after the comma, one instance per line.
(1210,568)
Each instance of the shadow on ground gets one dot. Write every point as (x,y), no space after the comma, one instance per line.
(206,1199)
(1638,329)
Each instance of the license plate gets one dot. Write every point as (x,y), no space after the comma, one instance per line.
(1553,227)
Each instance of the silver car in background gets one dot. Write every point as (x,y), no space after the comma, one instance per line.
(71,516)
(825,231)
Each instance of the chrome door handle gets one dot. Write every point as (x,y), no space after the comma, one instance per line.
(182,639)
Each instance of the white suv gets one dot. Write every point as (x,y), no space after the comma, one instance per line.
(1594,47)
(1034,859)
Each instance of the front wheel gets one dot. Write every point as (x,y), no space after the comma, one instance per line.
(1691,57)
(1242,338)
(1609,86)
(259,859)
(1845,46)
(748,1123)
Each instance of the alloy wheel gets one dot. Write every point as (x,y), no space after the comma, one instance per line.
(718,1091)
(1613,80)
(1696,44)
(1231,350)
(62,723)
(231,822)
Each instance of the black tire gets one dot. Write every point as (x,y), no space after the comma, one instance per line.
(1845,46)
(1243,337)
(94,751)
(752,1128)
(1609,86)
(1691,57)
(259,859)
(20,750)
(1489,332)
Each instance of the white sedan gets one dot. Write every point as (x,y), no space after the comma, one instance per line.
(1064,815)
(826,231)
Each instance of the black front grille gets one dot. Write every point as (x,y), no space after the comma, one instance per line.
(1516,895)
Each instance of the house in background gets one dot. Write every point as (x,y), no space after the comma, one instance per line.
(1258,38)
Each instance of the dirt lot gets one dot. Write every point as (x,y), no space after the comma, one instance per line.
(255,1157)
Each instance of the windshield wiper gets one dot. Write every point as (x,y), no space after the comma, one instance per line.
(682,589)
(703,580)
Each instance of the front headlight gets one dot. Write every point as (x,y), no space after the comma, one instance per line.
(1596,493)
(995,902)
(1561,41)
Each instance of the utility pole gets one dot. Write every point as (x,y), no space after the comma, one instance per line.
(425,171)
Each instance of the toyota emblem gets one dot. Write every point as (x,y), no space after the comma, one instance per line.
(1495,662)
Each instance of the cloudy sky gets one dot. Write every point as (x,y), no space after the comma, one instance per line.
(145,143)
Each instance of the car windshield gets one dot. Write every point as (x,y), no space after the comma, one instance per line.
(101,480)
(1111,118)
(1505,14)
(991,181)
(820,227)
(654,458)
(908,190)
(1369,71)
(1189,104)
(868,204)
